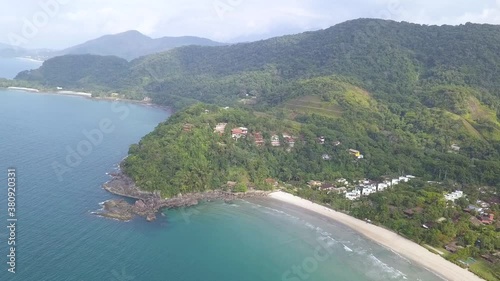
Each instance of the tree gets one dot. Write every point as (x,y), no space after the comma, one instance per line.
(240,187)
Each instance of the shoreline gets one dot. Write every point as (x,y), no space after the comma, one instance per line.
(24,89)
(88,96)
(386,238)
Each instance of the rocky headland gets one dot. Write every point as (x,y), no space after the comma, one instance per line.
(148,204)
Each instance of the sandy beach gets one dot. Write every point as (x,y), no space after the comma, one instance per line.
(386,238)
(72,93)
(24,89)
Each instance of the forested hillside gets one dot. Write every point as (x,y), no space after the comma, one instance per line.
(184,154)
(388,87)
(393,60)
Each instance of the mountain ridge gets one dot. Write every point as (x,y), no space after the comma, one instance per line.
(128,45)
(137,45)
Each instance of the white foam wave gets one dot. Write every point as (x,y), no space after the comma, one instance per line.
(392,272)
(347,249)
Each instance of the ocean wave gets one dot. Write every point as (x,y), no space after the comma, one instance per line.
(276,211)
(390,271)
(347,249)
(310,226)
(328,240)
(361,251)
(320,231)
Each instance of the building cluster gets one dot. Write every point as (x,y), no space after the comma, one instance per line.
(361,188)
(367,187)
(276,140)
(243,132)
(482,212)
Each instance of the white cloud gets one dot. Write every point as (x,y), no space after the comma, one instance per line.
(225,20)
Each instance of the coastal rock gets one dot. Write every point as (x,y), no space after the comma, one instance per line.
(147,204)
(117,209)
(151,217)
(139,204)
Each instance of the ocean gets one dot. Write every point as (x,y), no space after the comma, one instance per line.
(10,67)
(59,175)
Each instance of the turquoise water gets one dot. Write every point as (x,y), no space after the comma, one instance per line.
(60,239)
(10,67)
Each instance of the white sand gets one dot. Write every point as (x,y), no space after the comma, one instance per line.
(72,93)
(386,238)
(24,89)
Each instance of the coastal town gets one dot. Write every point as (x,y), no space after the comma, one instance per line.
(478,213)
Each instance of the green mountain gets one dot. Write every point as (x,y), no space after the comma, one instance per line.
(79,71)
(128,45)
(387,88)
(133,44)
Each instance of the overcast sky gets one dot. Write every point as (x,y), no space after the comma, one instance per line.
(69,22)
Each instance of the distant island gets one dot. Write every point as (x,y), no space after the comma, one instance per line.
(334,116)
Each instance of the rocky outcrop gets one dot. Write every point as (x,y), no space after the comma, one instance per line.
(148,204)
(117,209)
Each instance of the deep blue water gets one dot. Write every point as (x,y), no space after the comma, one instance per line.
(10,67)
(58,237)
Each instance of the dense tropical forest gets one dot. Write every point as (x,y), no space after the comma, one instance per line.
(185,155)
(413,99)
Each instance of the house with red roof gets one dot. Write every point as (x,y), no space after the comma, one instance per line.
(238,133)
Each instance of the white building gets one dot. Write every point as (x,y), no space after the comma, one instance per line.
(454,195)
(367,190)
(403,179)
(382,186)
(353,195)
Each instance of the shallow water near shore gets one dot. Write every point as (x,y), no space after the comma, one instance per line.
(59,239)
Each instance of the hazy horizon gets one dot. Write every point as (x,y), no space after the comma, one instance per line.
(58,24)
